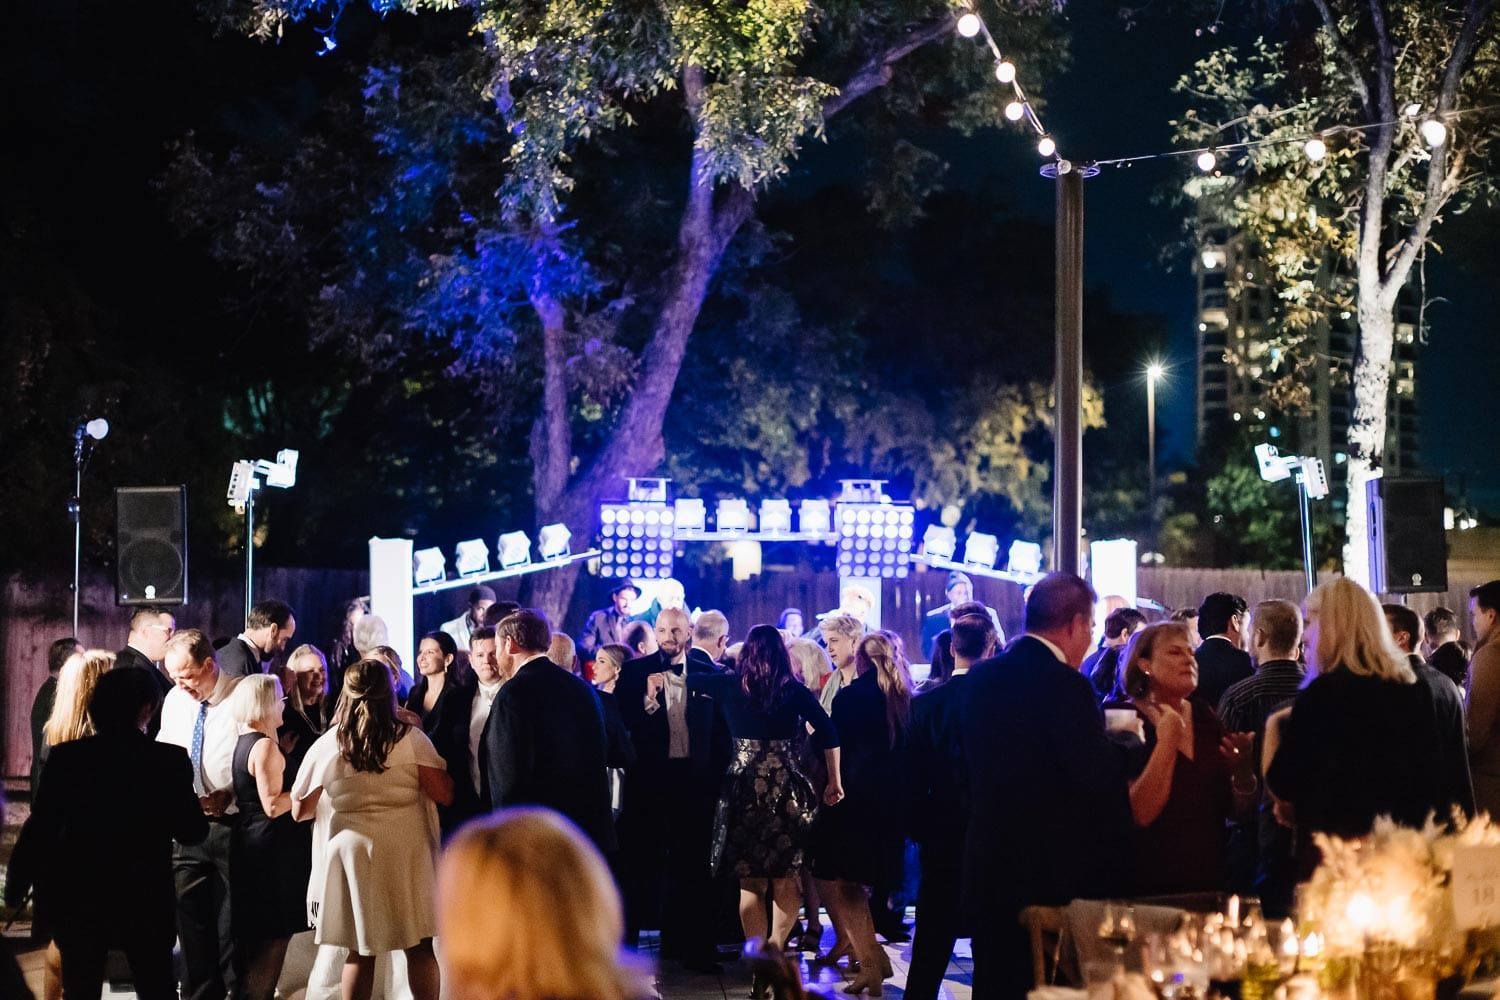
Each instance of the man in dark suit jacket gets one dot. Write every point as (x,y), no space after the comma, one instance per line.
(269,627)
(940,810)
(150,628)
(545,742)
(46,698)
(666,826)
(1049,807)
(1221,660)
(1452,767)
(98,845)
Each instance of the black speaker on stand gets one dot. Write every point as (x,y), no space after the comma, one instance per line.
(151,545)
(1408,547)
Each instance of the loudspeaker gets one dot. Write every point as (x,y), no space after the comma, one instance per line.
(1408,550)
(151,545)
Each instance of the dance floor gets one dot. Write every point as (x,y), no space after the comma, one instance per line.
(673,983)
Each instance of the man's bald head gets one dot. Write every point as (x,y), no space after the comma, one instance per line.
(673,632)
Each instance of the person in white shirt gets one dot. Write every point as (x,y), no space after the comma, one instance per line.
(462,628)
(485,662)
(196,717)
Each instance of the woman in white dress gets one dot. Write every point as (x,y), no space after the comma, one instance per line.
(372,781)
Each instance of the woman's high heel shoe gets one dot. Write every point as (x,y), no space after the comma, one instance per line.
(835,953)
(865,984)
(759,988)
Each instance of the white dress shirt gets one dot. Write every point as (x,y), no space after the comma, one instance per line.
(179,713)
(479,716)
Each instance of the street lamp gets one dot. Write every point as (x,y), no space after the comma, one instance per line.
(1154,371)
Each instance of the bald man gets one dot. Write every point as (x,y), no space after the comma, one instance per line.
(666,828)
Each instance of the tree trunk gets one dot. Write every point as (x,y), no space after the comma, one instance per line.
(1371,385)
(710,219)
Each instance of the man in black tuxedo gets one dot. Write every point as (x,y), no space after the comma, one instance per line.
(150,628)
(1049,807)
(666,827)
(940,811)
(544,741)
(268,629)
(98,846)
(1221,660)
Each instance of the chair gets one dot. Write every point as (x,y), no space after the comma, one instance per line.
(1046,926)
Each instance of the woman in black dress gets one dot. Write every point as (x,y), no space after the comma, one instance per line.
(268,857)
(1198,775)
(766,807)
(859,842)
(436,655)
(1362,739)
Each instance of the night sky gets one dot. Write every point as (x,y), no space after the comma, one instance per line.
(1115,100)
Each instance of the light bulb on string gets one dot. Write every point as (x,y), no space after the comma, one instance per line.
(1434,132)
(1315,149)
(1046,146)
(1005,71)
(1014,110)
(969,24)
(1207,161)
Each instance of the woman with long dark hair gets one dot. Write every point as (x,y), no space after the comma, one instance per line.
(372,780)
(859,843)
(766,807)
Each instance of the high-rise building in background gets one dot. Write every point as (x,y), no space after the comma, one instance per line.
(1238,357)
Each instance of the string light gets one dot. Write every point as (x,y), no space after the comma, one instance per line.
(1412,110)
(1315,148)
(970,25)
(1434,132)
(1207,161)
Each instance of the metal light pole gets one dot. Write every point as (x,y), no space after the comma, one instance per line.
(1154,371)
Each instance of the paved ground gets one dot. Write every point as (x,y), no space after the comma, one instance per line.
(675,984)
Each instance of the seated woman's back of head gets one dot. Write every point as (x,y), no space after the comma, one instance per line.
(527,910)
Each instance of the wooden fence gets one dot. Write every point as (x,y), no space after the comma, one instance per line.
(35,611)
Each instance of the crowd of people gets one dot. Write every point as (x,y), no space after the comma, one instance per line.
(536,801)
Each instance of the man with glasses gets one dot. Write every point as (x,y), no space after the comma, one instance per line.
(150,628)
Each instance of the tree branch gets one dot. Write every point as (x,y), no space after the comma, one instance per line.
(1385,62)
(1442,179)
(876,72)
(1346,56)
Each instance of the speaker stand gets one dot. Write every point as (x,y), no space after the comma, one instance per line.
(1309,568)
(249,551)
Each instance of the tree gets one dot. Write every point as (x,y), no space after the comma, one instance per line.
(738,87)
(1421,80)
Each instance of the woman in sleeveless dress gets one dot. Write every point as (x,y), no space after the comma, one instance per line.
(268,860)
(372,781)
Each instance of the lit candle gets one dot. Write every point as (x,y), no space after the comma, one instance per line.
(1233,911)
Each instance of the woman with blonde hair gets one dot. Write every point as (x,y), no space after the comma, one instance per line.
(372,781)
(75,686)
(1360,739)
(811,663)
(527,910)
(69,721)
(269,862)
(859,842)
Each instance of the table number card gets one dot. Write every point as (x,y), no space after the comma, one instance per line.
(1476,886)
